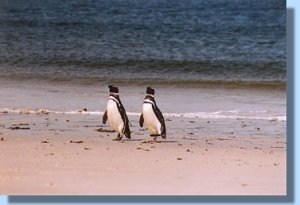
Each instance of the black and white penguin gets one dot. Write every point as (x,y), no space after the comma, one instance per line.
(152,116)
(116,114)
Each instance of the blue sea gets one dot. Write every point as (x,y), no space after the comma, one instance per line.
(142,41)
(220,59)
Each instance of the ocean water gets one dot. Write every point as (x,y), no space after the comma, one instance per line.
(143,41)
(221,59)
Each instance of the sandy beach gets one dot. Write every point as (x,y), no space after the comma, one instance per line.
(68,154)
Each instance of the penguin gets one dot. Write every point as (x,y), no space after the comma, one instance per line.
(116,114)
(152,116)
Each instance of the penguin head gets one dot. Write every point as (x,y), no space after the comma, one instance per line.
(150,91)
(113,89)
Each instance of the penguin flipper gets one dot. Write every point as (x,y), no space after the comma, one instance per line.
(126,124)
(163,134)
(141,121)
(127,132)
(161,119)
(104,119)
(124,118)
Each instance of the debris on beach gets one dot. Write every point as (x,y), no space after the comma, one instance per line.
(83,110)
(104,130)
(140,148)
(221,139)
(86,148)
(192,121)
(18,128)
(188,150)
(42,111)
(179,144)
(44,141)
(80,141)
(178,158)
(150,142)
(277,147)
(2,139)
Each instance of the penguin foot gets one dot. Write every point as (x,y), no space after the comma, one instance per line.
(154,135)
(118,138)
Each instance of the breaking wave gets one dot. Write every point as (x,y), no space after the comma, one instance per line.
(253,115)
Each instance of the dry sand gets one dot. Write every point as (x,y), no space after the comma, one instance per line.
(64,154)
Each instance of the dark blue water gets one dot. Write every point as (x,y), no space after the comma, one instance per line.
(140,40)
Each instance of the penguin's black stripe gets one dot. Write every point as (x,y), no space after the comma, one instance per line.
(114,99)
(147,102)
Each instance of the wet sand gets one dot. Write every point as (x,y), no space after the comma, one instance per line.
(65,154)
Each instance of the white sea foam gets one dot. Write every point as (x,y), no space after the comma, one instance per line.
(215,115)
(234,114)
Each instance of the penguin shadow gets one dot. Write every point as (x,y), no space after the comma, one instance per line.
(167,141)
(133,140)
(158,141)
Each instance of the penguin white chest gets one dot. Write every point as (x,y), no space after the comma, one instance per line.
(150,119)
(114,116)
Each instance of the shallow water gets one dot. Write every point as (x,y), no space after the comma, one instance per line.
(216,103)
